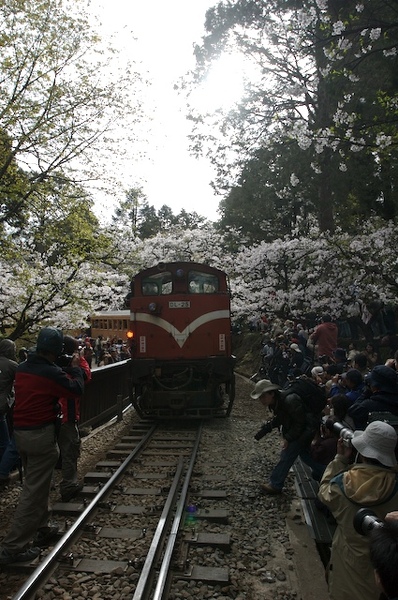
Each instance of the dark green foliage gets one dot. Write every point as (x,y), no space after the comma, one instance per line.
(152,222)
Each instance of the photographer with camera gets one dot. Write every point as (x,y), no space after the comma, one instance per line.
(370,482)
(381,395)
(383,548)
(298,426)
(68,432)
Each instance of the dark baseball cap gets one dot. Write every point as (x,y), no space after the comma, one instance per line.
(50,339)
(383,378)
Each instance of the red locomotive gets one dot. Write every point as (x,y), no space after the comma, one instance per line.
(182,364)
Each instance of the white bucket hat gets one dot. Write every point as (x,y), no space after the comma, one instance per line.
(378,441)
(295,347)
(262,386)
(316,371)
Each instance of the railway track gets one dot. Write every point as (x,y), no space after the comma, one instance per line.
(136,521)
(262,546)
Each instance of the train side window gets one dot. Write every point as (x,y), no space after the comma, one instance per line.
(202,283)
(167,287)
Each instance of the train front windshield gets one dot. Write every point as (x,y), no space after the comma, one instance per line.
(202,283)
(159,284)
(197,282)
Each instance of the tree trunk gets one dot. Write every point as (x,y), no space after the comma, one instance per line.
(325,196)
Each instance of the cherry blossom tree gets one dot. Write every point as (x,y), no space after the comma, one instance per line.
(321,75)
(65,103)
(337,274)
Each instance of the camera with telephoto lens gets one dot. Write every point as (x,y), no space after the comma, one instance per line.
(266,428)
(341,430)
(366,520)
(64,360)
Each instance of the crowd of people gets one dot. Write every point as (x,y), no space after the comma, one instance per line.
(342,420)
(106,351)
(312,388)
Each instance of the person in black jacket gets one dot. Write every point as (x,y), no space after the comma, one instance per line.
(383,547)
(298,426)
(381,396)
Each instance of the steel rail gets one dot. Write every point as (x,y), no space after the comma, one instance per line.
(164,571)
(51,561)
(145,583)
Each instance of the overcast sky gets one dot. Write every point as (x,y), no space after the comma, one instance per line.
(166,31)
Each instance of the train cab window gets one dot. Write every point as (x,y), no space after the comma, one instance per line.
(150,288)
(159,284)
(202,283)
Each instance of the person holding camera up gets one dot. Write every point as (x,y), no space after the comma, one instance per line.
(298,425)
(380,395)
(39,383)
(383,543)
(371,482)
(68,432)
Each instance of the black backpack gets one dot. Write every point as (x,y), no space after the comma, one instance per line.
(313,396)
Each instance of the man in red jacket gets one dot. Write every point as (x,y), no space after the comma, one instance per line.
(39,383)
(325,337)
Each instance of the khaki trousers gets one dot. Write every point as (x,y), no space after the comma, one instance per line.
(39,453)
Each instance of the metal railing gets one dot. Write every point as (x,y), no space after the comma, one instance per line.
(107,394)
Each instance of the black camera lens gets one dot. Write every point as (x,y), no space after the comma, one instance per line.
(343,432)
(64,360)
(365,520)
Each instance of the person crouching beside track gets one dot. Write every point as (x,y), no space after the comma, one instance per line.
(39,383)
(372,482)
(298,426)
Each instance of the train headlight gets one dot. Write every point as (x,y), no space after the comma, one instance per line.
(152,306)
(180,273)
(130,334)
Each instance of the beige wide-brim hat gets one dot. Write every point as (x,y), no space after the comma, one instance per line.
(378,441)
(262,386)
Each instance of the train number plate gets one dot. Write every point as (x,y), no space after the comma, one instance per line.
(181,304)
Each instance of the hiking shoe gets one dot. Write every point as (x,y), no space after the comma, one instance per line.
(46,535)
(66,496)
(7,558)
(269,490)
(4,482)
